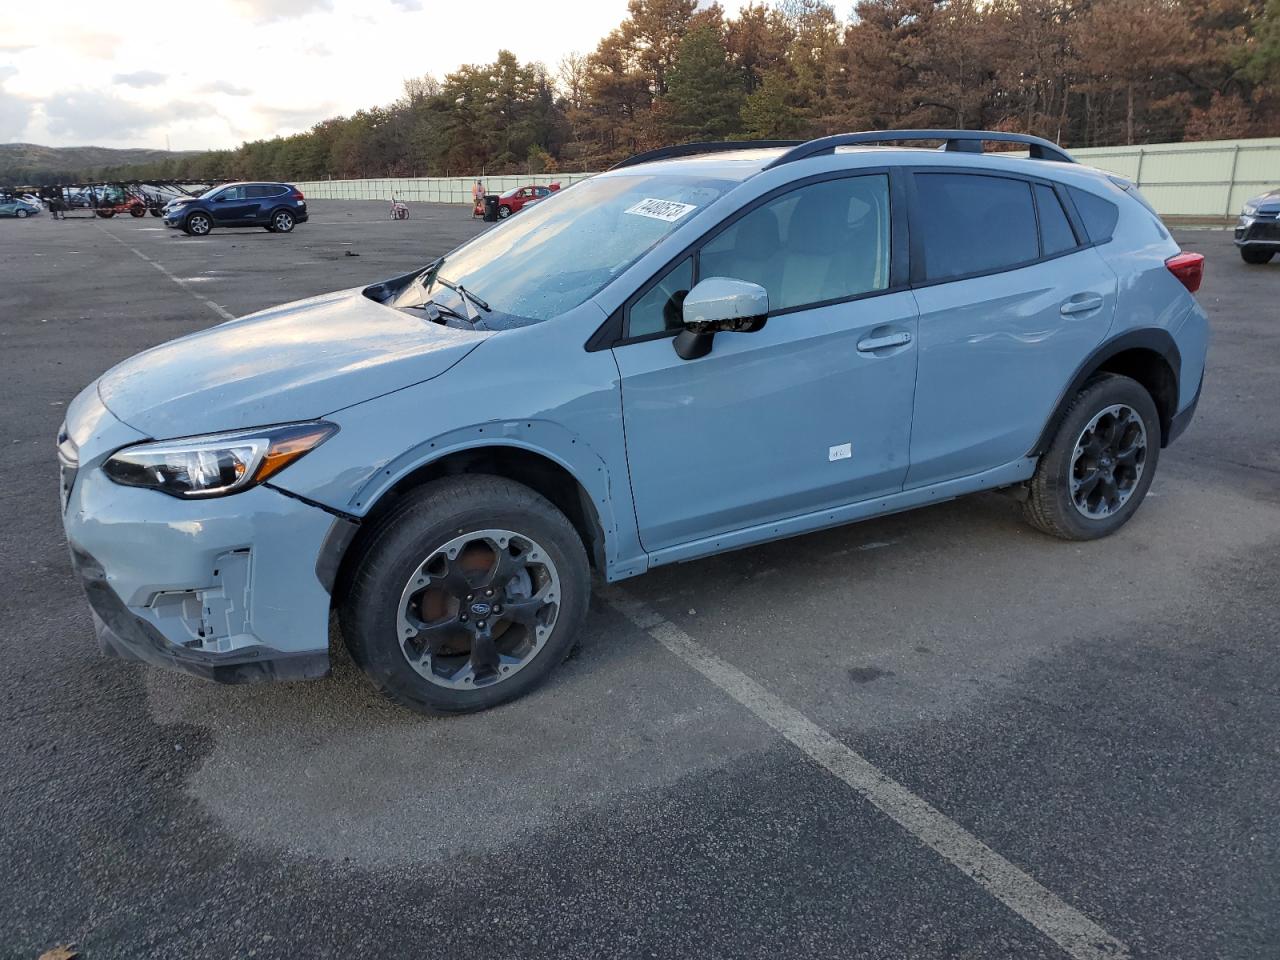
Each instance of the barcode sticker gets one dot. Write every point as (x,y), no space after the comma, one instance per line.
(668,210)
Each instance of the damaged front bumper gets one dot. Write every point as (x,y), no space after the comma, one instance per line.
(227,589)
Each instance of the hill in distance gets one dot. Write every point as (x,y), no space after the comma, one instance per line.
(31,161)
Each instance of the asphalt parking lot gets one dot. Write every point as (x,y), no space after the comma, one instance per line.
(936,735)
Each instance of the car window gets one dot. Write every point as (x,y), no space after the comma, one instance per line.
(975,224)
(1099,215)
(231,193)
(660,308)
(820,242)
(261,190)
(1056,234)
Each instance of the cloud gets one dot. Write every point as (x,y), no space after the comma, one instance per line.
(15,111)
(283,9)
(141,78)
(88,115)
(300,118)
(409,5)
(92,43)
(15,47)
(227,87)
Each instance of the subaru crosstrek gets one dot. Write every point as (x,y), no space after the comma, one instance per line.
(276,207)
(697,351)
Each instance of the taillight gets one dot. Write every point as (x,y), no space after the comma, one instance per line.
(1188,268)
(297,194)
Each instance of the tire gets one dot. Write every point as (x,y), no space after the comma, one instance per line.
(1256,255)
(138,211)
(1052,505)
(155,212)
(504,212)
(20,214)
(106,214)
(409,547)
(281,221)
(197,224)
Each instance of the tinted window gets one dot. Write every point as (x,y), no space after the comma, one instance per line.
(231,193)
(256,192)
(1099,215)
(1055,229)
(659,309)
(824,241)
(975,224)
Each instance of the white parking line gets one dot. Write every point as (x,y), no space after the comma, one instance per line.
(216,308)
(1075,933)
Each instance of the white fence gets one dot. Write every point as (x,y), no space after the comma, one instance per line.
(1210,179)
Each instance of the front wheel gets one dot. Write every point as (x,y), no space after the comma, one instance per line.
(504,212)
(198,225)
(20,214)
(1256,255)
(138,211)
(1100,463)
(466,595)
(281,221)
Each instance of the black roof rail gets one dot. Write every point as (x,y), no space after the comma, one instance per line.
(963,141)
(696,149)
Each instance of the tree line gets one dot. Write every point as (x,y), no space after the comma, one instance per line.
(1080,72)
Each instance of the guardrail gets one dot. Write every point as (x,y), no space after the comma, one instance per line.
(1209,179)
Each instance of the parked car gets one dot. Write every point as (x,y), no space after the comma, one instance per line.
(32,200)
(1258,229)
(18,208)
(277,207)
(516,199)
(683,356)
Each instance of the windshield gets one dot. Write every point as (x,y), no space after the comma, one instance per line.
(558,253)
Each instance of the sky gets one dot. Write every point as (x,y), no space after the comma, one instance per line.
(200,74)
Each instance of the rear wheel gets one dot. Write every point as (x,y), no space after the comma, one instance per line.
(466,595)
(155,211)
(1100,463)
(281,221)
(106,214)
(197,224)
(20,214)
(1256,255)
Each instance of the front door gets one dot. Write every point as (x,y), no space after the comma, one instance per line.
(231,206)
(811,412)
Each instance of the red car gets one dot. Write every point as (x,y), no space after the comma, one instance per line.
(511,201)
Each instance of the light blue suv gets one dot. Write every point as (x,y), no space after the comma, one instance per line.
(705,348)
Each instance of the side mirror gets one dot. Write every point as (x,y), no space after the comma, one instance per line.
(719,305)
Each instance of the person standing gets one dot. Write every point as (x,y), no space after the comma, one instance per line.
(477,199)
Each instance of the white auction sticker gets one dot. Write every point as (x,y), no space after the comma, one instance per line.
(668,210)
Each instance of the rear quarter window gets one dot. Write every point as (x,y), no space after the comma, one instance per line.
(1099,215)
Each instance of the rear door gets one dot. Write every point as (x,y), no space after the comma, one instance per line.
(1012,300)
(814,410)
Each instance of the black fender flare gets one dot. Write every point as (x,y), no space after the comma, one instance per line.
(1155,339)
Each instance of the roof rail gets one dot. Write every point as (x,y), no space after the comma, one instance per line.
(695,149)
(963,141)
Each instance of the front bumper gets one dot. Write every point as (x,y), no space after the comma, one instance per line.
(1262,231)
(226,589)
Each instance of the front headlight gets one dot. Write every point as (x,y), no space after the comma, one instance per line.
(1249,210)
(217,464)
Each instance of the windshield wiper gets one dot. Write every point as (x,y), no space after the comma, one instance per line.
(466,295)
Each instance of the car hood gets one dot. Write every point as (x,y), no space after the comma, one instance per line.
(1267,202)
(295,362)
